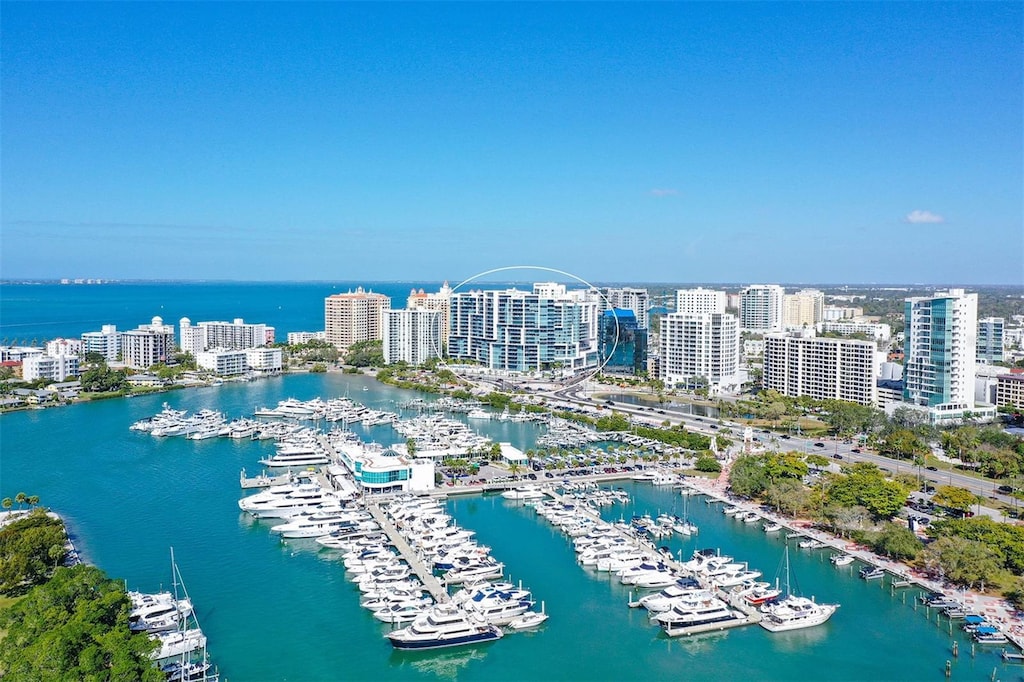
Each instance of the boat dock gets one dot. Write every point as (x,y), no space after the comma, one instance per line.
(263,480)
(416,565)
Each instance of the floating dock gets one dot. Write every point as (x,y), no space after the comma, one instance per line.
(416,565)
(262,481)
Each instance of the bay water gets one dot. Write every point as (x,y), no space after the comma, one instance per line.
(278,610)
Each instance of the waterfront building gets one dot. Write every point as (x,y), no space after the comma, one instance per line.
(622,342)
(700,349)
(147,345)
(383,470)
(637,301)
(761,308)
(54,368)
(820,368)
(524,331)
(237,335)
(805,308)
(701,301)
(1010,389)
(877,331)
(438,302)
(18,353)
(990,340)
(296,338)
(264,360)
(222,361)
(58,347)
(940,346)
(355,316)
(106,342)
(412,336)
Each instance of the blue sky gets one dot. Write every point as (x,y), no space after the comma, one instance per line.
(673,142)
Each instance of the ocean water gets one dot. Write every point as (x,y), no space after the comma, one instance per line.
(284,611)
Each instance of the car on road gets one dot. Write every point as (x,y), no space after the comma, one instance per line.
(856,450)
(837,456)
(785,436)
(714,426)
(1005,489)
(932,468)
(819,445)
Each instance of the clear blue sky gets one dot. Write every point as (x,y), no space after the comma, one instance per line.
(823,142)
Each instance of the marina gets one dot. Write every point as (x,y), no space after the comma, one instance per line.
(238,572)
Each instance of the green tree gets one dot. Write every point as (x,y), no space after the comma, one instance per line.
(25,551)
(897,542)
(952,497)
(75,627)
(7,503)
(747,476)
(410,446)
(365,354)
(707,463)
(788,495)
(964,562)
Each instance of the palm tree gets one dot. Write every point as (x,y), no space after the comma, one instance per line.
(20,498)
(33,500)
(514,468)
(7,503)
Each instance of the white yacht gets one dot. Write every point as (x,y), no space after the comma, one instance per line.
(686,618)
(478,413)
(444,626)
(842,559)
(529,492)
(325,523)
(793,613)
(178,643)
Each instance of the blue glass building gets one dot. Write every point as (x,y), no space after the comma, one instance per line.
(622,342)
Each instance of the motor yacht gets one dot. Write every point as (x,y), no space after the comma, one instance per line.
(444,626)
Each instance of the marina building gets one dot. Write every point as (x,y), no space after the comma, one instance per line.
(525,331)
(438,302)
(236,335)
(106,342)
(223,361)
(382,470)
(264,360)
(54,368)
(821,368)
(805,308)
(637,301)
(700,349)
(148,345)
(355,316)
(701,301)
(990,340)
(761,308)
(940,347)
(623,342)
(412,336)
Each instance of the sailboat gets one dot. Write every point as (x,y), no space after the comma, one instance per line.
(793,612)
(182,655)
(683,526)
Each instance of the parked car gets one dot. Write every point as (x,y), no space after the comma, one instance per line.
(857,450)
(819,445)
(932,468)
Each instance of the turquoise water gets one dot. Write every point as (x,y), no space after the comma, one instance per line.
(276,611)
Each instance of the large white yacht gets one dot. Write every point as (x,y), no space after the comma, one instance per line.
(685,618)
(528,492)
(444,626)
(793,613)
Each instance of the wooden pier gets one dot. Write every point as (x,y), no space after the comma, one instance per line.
(416,565)
(263,480)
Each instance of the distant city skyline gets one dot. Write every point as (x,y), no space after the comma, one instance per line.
(634,143)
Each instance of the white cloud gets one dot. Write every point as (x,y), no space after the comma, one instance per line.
(663,192)
(919,217)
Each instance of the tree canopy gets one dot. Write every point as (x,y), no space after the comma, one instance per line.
(30,549)
(864,484)
(75,627)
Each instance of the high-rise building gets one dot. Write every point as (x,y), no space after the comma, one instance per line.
(701,301)
(940,348)
(231,335)
(700,348)
(761,308)
(419,300)
(805,308)
(148,345)
(625,298)
(412,336)
(354,317)
(820,368)
(990,339)
(544,329)
(106,342)
(623,342)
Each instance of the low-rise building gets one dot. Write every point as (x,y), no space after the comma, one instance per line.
(57,368)
(1010,389)
(223,361)
(296,338)
(264,360)
(384,470)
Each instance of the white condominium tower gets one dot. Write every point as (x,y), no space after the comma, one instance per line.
(412,336)
(700,346)
(805,308)
(437,301)
(354,317)
(761,308)
(231,335)
(820,368)
(148,345)
(524,331)
(940,347)
(700,300)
